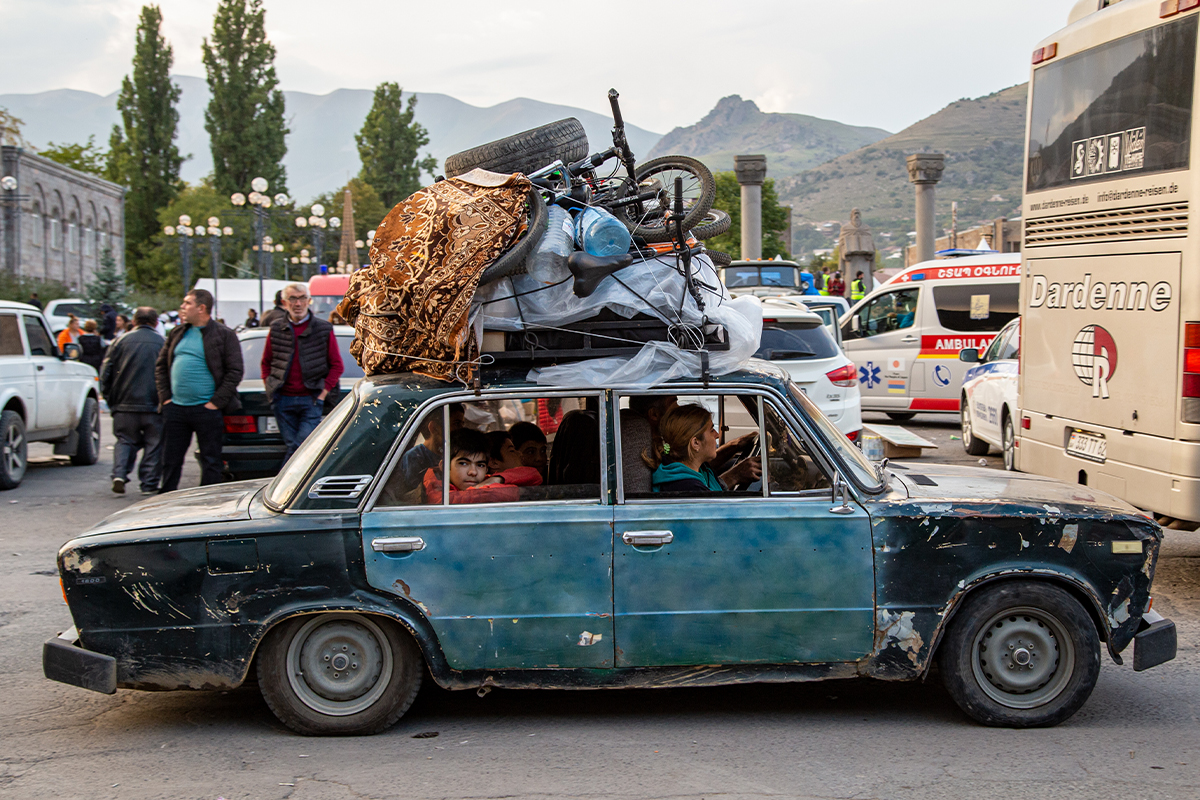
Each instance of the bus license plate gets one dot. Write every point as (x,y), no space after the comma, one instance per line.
(270,425)
(1086,445)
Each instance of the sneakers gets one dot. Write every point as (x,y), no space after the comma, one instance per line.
(118,485)
(150,491)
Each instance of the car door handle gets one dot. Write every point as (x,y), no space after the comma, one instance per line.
(398,544)
(40,367)
(909,338)
(637,538)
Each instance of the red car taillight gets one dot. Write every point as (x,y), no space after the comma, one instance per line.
(846,376)
(853,435)
(240,424)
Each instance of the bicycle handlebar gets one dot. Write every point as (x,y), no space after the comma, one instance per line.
(616,108)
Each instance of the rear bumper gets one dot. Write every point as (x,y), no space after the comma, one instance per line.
(1155,642)
(63,660)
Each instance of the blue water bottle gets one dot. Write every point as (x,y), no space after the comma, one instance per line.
(599,233)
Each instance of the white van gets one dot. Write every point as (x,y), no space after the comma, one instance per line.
(905,337)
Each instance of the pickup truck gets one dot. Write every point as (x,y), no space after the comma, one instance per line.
(45,395)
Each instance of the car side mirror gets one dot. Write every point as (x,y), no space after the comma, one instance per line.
(72,351)
(856,324)
(969,355)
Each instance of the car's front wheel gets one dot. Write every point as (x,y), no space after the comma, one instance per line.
(339,674)
(13,450)
(1021,655)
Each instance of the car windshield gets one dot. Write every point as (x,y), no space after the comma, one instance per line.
(252,350)
(788,341)
(736,277)
(280,492)
(857,464)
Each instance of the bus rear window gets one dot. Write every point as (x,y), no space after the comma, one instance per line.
(971,309)
(1123,108)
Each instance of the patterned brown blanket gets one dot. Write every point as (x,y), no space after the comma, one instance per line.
(409,308)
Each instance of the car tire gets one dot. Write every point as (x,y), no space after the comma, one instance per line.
(1010,443)
(14,450)
(366,694)
(900,416)
(971,443)
(525,152)
(88,450)
(1020,655)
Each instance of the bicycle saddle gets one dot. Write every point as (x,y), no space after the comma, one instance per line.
(590,270)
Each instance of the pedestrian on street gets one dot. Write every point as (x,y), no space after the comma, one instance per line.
(251,319)
(858,289)
(127,384)
(34,301)
(123,326)
(837,286)
(91,345)
(197,374)
(69,334)
(278,312)
(301,365)
(108,322)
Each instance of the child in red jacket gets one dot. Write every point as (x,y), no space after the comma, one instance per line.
(469,481)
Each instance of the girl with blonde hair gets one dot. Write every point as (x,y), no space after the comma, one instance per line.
(680,458)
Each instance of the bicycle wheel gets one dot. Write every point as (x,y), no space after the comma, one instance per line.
(648,220)
(526,151)
(719,259)
(715,223)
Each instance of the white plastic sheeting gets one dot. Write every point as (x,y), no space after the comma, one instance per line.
(654,287)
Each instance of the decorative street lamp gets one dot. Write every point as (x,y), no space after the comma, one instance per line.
(316,225)
(184,233)
(215,232)
(260,204)
(12,230)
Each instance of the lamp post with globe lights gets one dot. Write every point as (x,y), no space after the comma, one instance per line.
(12,202)
(260,204)
(316,223)
(215,232)
(184,233)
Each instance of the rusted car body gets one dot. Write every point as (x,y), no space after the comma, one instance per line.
(860,570)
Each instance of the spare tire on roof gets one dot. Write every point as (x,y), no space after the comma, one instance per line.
(526,151)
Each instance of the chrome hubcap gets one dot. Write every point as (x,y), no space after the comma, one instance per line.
(1010,455)
(966,425)
(1023,658)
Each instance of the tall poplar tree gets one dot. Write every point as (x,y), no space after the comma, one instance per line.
(143,155)
(244,118)
(388,145)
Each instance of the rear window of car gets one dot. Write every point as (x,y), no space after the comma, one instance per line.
(10,336)
(81,310)
(252,351)
(791,341)
(980,308)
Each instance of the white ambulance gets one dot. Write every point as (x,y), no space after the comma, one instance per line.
(904,338)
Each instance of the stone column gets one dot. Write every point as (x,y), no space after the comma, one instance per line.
(925,170)
(751,172)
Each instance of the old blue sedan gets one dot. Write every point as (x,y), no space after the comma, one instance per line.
(392,546)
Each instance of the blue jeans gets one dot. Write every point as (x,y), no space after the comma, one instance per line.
(297,416)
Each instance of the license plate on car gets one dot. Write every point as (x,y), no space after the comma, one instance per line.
(1088,446)
(270,425)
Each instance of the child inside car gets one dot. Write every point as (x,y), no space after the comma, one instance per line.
(469,479)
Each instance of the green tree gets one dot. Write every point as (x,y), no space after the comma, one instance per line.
(143,154)
(369,210)
(161,269)
(83,157)
(388,145)
(729,200)
(10,129)
(108,284)
(244,118)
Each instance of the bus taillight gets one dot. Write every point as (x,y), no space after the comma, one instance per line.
(1170,8)
(1190,383)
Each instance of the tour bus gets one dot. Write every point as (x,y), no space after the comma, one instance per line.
(905,337)
(1110,298)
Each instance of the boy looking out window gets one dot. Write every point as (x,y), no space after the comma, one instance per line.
(469,479)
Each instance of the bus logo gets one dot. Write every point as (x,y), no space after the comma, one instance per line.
(1094,356)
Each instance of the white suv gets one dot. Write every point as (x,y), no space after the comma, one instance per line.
(796,339)
(45,396)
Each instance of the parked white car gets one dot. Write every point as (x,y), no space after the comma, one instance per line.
(58,312)
(990,412)
(45,396)
(796,339)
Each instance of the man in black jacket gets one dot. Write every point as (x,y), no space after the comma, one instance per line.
(127,383)
(197,374)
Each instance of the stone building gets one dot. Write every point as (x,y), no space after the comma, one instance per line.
(1002,235)
(56,221)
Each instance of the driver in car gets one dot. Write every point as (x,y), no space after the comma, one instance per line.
(687,446)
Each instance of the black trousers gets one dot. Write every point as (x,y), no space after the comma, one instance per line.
(179,423)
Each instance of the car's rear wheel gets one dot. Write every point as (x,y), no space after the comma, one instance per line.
(14,453)
(339,674)
(88,450)
(1010,444)
(1021,655)
(900,416)
(971,443)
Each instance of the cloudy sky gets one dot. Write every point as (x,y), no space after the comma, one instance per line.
(865,62)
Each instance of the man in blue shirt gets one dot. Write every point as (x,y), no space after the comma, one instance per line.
(197,376)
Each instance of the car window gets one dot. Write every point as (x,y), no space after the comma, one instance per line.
(10,336)
(889,312)
(791,468)
(526,449)
(993,350)
(81,310)
(975,308)
(1012,344)
(790,341)
(40,343)
(252,350)
(280,492)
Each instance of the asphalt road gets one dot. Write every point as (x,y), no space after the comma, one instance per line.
(1137,737)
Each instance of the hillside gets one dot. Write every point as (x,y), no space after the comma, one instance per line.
(791,142)
(321,152)
(983,140)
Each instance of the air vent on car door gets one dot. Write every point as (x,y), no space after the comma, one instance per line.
(339,487)
(1147,222)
